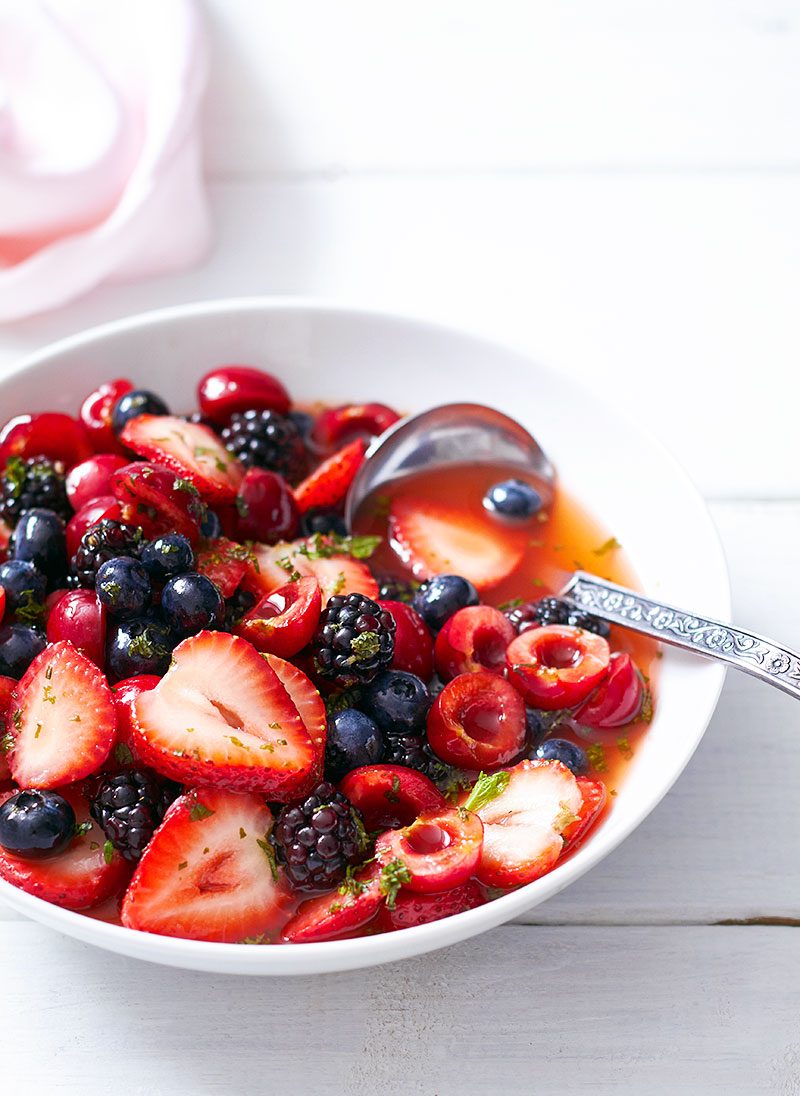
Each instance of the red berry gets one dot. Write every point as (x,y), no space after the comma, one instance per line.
(79,617)
(171,503)
(477,722)
(420,909)
(284,622)
(328,484)
(338,425)
(92,478)
(89,514)
(595,800)
(232,388)
(413,646)
(96,415)
(617,699)
(190,450)
(441,849)
(7,687)
(5,539)
(50,434)
(266,507)
(557,666)
(334,914)
(473,639)
(390,796)
(125,694)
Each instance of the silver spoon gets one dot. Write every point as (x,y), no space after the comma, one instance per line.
(468,433)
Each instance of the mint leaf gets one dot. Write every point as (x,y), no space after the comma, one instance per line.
(485,789)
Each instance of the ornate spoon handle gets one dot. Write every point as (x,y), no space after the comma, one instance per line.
(779,666)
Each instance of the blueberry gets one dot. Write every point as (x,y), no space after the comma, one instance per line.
(19,646)
(536,727)
(193,602)
(132,404)
(398,702)
(35,825)
(437,600)
(559,749)
(123,586)
(211,527)
(353,740)
(142,646)
(40,539)
(23,584)
(317,520)
(303,421)
(513,499)
(167,556)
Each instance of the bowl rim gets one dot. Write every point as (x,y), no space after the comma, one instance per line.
(368,951)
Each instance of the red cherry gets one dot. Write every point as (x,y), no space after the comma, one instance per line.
(413,646)
(96,415)
(557,666)
(266,507)
(50,434)
(617,699)
(125,694)
(441,849)
(92,478)
(477,722)
(340,424)
(284,622)
(473,639)
(79,617)
(88,515)
(171,503)
(420,909)
(390,796)
(231,388)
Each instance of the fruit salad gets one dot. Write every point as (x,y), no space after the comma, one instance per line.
(226,716)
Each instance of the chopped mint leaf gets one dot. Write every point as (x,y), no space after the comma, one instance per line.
(624,747)
(123,754)
(392,878)
(286,564)
(564,818)
(365,645)
(319,546)
(183,864)
(30,611)
(17,718)
(392,795)
(514,603)
(82,828)
(181,484)
(486,788)
(49,696)
(199,811)
(611,545)
(6,743)
(108,851)
(597,757)
(262,938)
(241,506)
(265,846)
(337,702)
(242,833)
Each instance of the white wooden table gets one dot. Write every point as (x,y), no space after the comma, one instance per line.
(615,187)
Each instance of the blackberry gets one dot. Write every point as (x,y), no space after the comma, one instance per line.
(354,640)
(396,589)
(128,807)
(240,602)
(317,839)
(413,751)
(265,439)
(35,483)
(554,610)
(107,540)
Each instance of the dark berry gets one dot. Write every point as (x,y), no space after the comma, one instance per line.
(396,589)
(537,727)
(317,839)
(40,539)
(135,403)
(265,439)
(192,602)
(353,740)
(439,598)
(211,527)
(35,825)
(513,499)
(303,421)
(104,541)
(136,647)
(559,749)
(413,751)
(35,483)
(398,702)
(25,588)
(123,586)
(554,610)
(167,556)
(129,806)
(322,521)
(237,605)
(354,639)
(19,646)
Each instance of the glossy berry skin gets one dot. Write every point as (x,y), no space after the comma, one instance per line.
(123,587)
(412,909)
(39,538)
(437,600)
(398,702)
(192,602)
(138,647)
(78,616)
(19,646)
(155,494)
(473,639)
(413,645)
(513,500)
(22,583)
(211,526)
(617,699)
(477,722)
(354,640)
(265,439)
(134,403)
(338,425)
(166,556)
(266,508)
(283,622)
(105,508)
(441,849)
(51,434)
(234,388)
(108,539)
(557,666)
(129,806)
(318,838)
(568,753)
(323,521)
(126,693)
(353,740)
(34,483)
(555,610)
(390,796)
(92,478)
(96,411)
(35,825)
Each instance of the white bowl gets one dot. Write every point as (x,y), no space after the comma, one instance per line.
(339,354)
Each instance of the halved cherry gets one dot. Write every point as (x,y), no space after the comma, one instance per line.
(79,617)
(96,510)
(337,913)
(477,722)
(595,800)
(50,434)
(91,479)
(473,639)
(390,796)
(617,699)
(413,646)
(266,508)
(284,621)
(338,425)
(125,693)
(441,849)
(96,411)
(171,502)
(557,666)
(231,388)
(412,909)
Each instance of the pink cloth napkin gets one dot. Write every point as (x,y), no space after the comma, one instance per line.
(100,168)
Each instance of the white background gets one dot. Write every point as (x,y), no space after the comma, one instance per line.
(612,186)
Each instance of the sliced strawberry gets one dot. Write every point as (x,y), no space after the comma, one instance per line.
(419,909)
(87,873)
(330,481)
(5,539)
(125,694)
(226,564)
(338,913)
(208,873)
(188,448)
(66,723)
(289,560)
(172,502)
(595,801)
(432,539)
(284,621)
(221,717)
(343,575)
(310,706)
(523,826)
(7,687)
